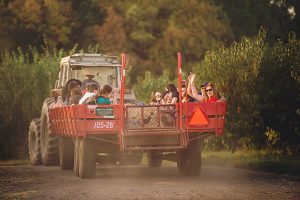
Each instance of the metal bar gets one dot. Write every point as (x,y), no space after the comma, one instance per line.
(121,122)
(216,117)
(84,135)
(57,120)
(151,133)
(187,123)
(154,148)
(126,119)
(74,120)
(151,130)
(142,117)
(179,88)
(63,121)
(69,121)
(104,140)
(158,116)
(66,121)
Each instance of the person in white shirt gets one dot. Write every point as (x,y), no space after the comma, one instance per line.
(90,92)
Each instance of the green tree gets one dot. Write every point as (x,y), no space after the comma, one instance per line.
(279,92)
(60,23)
(247,16)
(49,19)
(193,28)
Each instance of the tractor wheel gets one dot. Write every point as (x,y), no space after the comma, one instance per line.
(34,147)
(49,143)
(66,153)
(153,159)
(76,156)
(87,159)
(189,160)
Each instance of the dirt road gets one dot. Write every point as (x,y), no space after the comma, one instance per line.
(141,182)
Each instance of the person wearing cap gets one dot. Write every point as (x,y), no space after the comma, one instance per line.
(89,80)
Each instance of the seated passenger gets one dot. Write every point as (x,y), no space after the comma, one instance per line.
(193,91)
(167,112)
(75,93)
(65,93)
(156,98)
(167,98)
(186,96)
(105,94)
(58,102)
(171,88)
(90,92)
(211,94)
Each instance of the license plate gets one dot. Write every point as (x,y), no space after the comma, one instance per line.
(105,112)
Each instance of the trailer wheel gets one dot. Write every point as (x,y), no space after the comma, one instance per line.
(76,156)
(49,143)
(34,148)
(189,160)
(66,153)
(87,159)
(154,159)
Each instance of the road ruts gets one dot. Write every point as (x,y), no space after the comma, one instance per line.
(142,182)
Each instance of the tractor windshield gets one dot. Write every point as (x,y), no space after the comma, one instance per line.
(103,74)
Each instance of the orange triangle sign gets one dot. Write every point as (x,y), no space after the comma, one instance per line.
(198,118)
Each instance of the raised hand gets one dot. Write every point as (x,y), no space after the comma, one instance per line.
(190,75)
(193,77)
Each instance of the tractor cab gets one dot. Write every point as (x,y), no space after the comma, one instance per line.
(103,68)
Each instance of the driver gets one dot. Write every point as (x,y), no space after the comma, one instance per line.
(89,81)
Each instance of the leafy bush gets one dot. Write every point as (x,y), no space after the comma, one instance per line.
(146,85)
(258,81)
(233,70)
(26,79)
(279,95)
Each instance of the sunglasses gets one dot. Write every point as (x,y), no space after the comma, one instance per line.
(209,90)
(157,95)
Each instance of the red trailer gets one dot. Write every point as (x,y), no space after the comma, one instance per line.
(164,132)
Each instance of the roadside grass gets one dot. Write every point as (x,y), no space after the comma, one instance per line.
(14,162)
(257,160)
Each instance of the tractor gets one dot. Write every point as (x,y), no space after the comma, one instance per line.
(80,136)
